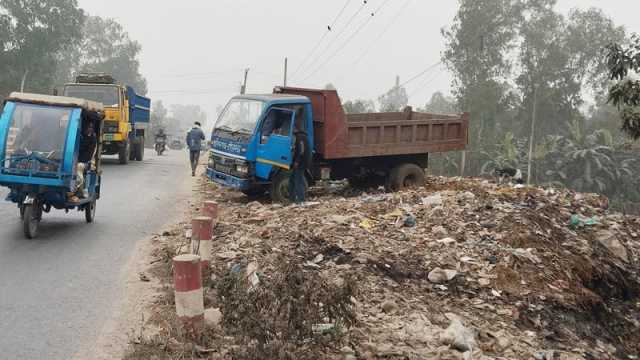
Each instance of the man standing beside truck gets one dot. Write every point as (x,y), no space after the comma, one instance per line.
(195,136)
(302,158)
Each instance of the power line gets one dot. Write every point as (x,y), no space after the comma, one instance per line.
(386,29)
(425,84)
(430,68)
(419,75)
(346,26)
(326,33)
(358,30)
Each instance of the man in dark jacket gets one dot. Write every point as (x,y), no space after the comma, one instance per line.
(195,137)
(302,158)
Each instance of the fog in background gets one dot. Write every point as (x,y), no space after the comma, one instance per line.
(194,51)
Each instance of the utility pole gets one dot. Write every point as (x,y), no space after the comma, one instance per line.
(397,81)
(286,69)
(533,130)
(243,89)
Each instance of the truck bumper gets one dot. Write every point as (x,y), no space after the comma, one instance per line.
(228,180)
(113,137)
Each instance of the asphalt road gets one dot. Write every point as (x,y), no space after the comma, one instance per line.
(57,291)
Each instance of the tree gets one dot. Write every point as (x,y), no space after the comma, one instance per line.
(359,106)
(395,99)
(478,46)
(107,48)
(625,94)
(34,34)
(441,104)
(186,115)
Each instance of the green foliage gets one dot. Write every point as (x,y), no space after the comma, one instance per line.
(106,47)
(359,106)
(440,104)
(625,94)
(509,152)
(34,35)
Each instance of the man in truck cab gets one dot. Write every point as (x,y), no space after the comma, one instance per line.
(195,137)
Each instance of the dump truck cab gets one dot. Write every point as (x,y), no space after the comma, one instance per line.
(126,114)
(253,138)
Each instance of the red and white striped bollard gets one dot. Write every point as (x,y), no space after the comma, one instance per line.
(210,209)
(201,237)
(189,295)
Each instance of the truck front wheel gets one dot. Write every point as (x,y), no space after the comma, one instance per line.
(123,154)
(280,188)
(405,176)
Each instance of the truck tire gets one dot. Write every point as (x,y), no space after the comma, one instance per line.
(140,149)
(255,192)
(133,147)
(124,153)
(405,176)
(280,188)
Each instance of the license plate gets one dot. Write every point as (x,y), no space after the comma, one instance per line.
(108,137)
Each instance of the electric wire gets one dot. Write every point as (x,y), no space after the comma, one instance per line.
(326,33)
(358,30)
(383,33)
(339,35)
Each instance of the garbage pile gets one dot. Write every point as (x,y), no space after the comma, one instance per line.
(458,269)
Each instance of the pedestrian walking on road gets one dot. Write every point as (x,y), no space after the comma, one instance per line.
(302,158)
(195,136)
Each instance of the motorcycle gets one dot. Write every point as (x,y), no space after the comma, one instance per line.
(161,146)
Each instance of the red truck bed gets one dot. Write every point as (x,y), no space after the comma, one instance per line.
(341,136)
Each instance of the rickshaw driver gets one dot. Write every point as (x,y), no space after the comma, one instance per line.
(88,144)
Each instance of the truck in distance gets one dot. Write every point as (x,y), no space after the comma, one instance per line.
(127,114)
(251,143)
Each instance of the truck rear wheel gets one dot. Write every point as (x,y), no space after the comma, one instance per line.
(124,153)
(405,176)
(140,149)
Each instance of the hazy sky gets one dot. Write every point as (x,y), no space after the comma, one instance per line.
(194,51)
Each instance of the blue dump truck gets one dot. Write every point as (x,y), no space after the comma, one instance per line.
(127,114)
(252,142)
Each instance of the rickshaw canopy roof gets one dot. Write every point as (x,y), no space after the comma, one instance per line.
(39,99)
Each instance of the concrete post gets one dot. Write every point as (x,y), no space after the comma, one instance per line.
(187,279)
(202,234)
(211,210)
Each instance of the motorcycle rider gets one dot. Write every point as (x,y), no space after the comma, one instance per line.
(161,139)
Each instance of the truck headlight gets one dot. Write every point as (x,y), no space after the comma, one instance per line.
(243,169)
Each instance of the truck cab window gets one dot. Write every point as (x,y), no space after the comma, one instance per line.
(277,122)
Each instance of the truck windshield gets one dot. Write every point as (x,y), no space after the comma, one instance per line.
(36,129)
(107,95)
(240,115)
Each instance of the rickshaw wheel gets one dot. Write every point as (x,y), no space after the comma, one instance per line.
(90,212)
(21,212)
(30,221)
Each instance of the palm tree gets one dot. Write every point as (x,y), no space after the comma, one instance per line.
(587,163)
(509,152)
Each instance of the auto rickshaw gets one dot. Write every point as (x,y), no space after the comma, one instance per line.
(50,150)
